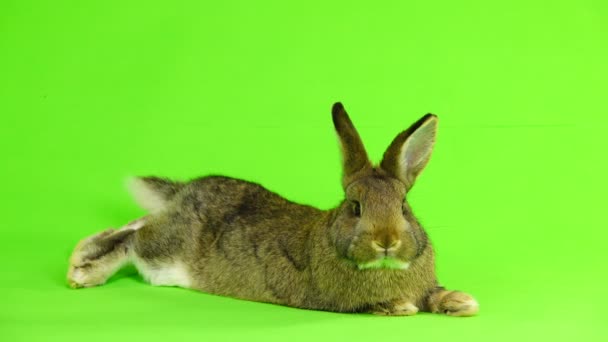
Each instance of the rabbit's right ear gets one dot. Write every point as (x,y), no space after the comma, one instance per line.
(354,156)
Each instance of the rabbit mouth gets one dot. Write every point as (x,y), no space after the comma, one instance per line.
(385,263)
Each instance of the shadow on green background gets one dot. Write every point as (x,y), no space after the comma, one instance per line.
(513,199)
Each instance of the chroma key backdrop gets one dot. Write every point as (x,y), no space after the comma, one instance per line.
(513,199)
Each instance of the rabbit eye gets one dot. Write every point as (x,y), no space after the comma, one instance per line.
(356,208)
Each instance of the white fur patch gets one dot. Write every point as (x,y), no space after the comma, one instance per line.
(174,274)
(144,196)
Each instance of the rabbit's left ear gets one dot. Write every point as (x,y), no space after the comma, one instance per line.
(411,150)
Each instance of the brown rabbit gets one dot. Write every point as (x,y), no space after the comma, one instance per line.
(235,238)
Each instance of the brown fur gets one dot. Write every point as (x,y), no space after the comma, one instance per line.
(238,239)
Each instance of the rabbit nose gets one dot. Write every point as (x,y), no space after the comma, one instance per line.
(386,246)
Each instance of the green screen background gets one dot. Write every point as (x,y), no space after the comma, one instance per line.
(514,197)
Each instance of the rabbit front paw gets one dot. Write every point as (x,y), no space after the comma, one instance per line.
(453,303)
(400,307)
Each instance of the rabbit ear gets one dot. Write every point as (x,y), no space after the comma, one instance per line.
(354,157)
(411,150)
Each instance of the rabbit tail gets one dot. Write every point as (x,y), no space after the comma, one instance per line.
(153,193)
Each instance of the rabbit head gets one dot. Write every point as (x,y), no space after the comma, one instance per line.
(374,226)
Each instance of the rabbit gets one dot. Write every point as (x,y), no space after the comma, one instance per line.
(235,238)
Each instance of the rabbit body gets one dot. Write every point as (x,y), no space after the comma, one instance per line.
(238,239)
